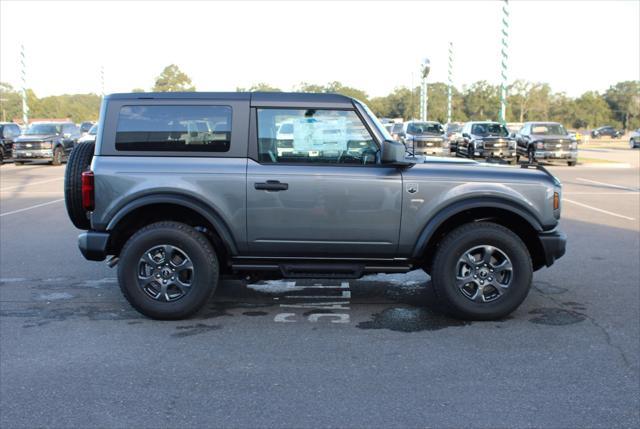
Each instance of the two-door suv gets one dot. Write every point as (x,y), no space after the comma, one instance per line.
(182,188)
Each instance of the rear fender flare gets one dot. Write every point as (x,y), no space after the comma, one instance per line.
(194,204)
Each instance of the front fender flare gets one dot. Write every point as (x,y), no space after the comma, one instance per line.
(471,203)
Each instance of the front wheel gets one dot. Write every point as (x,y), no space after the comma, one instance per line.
(168,270)
(571,163)
(481,271)
(57,156)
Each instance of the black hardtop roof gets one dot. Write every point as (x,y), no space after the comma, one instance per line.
(256,98)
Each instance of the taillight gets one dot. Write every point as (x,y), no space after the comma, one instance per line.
(88,189)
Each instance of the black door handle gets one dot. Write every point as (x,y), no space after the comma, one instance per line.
(271,185)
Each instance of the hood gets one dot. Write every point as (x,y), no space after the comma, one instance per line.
(483,171)
(35,138)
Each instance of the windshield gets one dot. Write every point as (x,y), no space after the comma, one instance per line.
(424,128)
(489,129)
(548,129)
(44,129)
(454,128)
(94,130)
(376,122)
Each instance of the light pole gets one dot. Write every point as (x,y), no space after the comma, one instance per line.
(504,58)
(23,78)
(450,78)
(424,96)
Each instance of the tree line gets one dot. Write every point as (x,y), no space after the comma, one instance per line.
(619,105)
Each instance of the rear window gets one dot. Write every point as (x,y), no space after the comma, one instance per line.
(174,128)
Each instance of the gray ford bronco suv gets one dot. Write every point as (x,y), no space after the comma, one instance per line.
(182,188)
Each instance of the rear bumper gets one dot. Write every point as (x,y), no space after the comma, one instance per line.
(93,245)
(554,244)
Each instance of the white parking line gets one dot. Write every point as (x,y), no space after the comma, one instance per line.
(602,193)
(31,183)
(607,184)
(30,208)
(597,209)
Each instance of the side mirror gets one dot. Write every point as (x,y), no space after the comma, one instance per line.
(393,153)
(466,136)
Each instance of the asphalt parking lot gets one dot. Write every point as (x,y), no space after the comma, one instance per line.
(369,353)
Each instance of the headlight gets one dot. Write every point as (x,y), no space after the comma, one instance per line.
(512,145)
(539,145)
(45,145)
(478,144)
(574,145)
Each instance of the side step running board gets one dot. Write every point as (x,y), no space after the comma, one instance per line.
(322,270)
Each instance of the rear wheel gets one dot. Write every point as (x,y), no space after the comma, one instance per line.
(168,270)
(79,161)
(481,271)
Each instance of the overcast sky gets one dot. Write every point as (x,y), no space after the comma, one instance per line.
(574,46)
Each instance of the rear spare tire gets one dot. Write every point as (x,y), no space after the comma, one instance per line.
(79,161)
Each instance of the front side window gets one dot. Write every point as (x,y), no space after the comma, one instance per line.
(314,136)
(174,128)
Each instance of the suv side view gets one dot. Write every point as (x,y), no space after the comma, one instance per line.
(175,206)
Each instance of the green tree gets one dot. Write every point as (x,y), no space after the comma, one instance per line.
(528,101)
(592,111)
(624,101)
(138,90)
(482,101)
(563,109)
(259,87)
(172,79)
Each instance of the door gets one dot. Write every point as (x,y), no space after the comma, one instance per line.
(320,190)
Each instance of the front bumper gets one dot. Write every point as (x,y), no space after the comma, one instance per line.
(559,154)
(93,245)
(505,153)
(554,244)
(22,154)
(432,151)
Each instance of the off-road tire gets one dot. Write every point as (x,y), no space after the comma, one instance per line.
(79,161)
(194,244)
(57,156)
(443,273)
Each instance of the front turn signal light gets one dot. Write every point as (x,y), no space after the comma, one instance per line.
(556,201)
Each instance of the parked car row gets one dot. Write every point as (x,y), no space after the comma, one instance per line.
(50,141)
(533,142)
